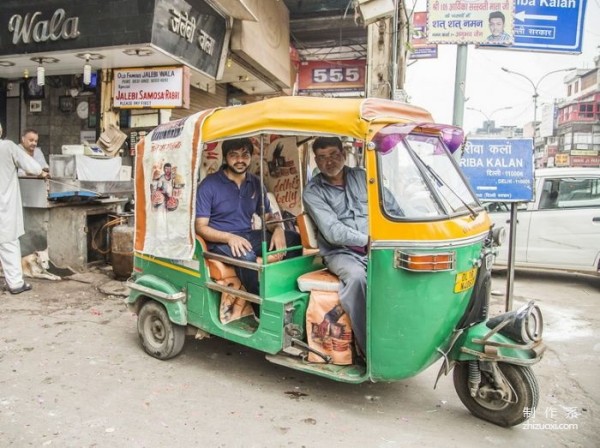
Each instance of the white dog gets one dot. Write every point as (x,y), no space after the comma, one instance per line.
(36,265)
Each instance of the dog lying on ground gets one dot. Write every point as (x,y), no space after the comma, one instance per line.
(36,265)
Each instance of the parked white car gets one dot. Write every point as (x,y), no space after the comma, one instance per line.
(560,229)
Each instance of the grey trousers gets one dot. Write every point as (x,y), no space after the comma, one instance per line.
(352,271)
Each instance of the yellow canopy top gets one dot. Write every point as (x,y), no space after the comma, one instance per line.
(311,115)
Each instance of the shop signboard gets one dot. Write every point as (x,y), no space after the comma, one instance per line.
(586,161)
(561,159)
(462,22)
(499,169)
(148,87)
(29,26)
(195,34)
(331,76)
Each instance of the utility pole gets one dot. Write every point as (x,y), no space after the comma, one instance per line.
(379,46)
(386,55)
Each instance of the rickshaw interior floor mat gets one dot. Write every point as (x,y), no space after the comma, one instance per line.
(355,373)
(247,324)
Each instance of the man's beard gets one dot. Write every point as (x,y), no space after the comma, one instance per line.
(236,170)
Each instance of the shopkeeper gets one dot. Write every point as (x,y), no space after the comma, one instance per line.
(29,141)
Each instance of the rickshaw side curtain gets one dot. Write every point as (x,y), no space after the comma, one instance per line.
(165,188)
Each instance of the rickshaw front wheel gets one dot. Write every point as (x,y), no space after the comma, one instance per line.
(504,407)
(160,337)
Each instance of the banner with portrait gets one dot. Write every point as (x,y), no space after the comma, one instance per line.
(478,22)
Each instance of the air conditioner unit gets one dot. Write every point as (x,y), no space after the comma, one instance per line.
(373,10)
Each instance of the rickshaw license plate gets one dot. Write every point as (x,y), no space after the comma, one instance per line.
(465,280)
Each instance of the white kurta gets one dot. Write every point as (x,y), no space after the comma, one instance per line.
(38,155)
(11,209)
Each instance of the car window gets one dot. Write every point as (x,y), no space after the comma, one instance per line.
(497,207)
(570,193)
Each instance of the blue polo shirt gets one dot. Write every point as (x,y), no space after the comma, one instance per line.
(228,207)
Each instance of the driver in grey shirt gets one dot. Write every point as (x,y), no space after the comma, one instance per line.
(336,200)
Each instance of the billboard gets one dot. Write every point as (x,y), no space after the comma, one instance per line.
(472,22)
(419,47)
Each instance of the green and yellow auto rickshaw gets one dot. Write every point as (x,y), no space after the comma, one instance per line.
(428,273)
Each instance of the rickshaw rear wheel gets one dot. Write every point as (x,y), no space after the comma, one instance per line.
(508,411)
(160,337)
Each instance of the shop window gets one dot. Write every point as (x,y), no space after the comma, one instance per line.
(582,138)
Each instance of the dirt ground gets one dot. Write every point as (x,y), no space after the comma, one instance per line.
(73,374)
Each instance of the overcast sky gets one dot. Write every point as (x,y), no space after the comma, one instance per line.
(430,83)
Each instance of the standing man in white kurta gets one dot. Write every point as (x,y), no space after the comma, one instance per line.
(11,211)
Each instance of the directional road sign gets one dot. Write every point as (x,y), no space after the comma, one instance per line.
(549,25)
(499,169)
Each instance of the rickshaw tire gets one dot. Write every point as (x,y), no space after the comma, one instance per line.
(161,338)
(521,379)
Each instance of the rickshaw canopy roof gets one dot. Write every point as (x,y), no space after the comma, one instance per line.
(296,114)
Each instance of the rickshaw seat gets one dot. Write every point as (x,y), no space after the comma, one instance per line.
(308,234)
(217,270)
(322,280)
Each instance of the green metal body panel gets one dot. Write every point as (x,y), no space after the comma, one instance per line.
(176,309)
(282,304)
(412,314)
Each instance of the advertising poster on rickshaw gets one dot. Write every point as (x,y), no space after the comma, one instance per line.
(165,189)
(473,22)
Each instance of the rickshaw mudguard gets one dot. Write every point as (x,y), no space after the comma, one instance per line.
(152,287)
(480,343)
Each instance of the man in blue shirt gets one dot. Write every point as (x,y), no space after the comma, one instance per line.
(225,203)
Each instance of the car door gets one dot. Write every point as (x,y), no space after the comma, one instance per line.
(565,229)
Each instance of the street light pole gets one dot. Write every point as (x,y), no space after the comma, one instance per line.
(489,117)
(512,235)
(535,88)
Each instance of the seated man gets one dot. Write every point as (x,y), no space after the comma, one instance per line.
(336,200)
(29,141)
(225,203)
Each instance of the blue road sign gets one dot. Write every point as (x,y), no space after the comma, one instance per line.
(499,169)
(549,25)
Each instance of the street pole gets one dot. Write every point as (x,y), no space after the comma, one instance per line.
(489,117)
(460,81)
(512,234)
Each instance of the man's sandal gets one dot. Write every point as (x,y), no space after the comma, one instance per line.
(24,287)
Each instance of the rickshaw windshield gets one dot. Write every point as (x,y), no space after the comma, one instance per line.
(425,183)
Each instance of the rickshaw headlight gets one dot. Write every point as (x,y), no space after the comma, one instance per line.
(499,235)
(534,323)
(525,324)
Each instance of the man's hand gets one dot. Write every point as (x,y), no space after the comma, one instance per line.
(278,242)
(239,246)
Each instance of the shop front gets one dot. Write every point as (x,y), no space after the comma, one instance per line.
(93,77)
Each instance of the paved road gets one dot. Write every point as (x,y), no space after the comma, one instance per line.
(72,374)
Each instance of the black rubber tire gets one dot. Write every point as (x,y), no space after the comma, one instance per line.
(160,337)
(523,382)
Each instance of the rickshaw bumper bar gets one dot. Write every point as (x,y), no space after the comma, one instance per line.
(174,297)
(491,353)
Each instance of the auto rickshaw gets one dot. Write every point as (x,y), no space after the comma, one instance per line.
(428,273)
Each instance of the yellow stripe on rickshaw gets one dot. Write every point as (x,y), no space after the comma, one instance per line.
(166,264)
